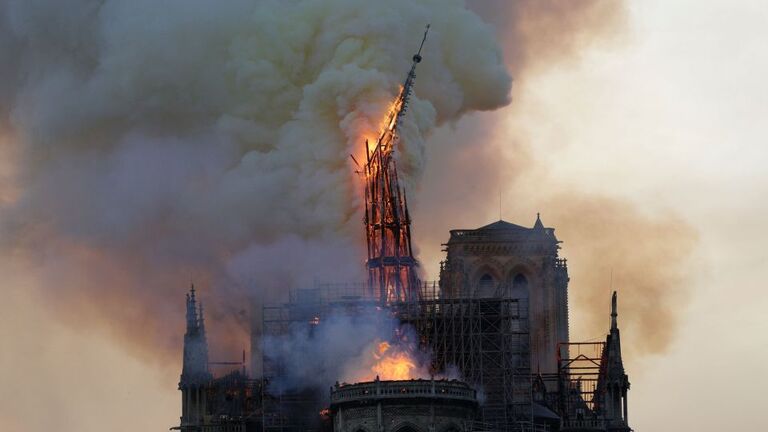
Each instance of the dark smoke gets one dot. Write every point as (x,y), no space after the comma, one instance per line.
(150,144)
(344,347)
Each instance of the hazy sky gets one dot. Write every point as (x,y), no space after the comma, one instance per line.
(675,118)
(671,117)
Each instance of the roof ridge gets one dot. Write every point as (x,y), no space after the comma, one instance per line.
(502,224)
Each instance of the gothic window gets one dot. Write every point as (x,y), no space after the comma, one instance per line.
(485,288)
(520,286)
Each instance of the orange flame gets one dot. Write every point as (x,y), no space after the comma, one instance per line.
(386,125)
(393,364)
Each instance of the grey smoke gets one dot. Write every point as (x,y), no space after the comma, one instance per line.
(151,143)
(341,347)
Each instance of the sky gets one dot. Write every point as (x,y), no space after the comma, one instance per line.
(673,118)
(669,115)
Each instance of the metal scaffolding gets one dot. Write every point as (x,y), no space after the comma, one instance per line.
(486,341)
(294,410)
(579,397)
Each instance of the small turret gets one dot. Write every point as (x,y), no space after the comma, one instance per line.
(615,365)
(195,366)
(194,373)
(614,381)
(191,310)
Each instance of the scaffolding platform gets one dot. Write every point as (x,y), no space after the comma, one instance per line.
(485,340)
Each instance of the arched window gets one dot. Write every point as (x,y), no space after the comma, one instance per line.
(486,286)
(520,286)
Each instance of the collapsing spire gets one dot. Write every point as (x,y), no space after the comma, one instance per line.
(391,265)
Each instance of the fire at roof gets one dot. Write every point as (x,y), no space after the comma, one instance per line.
(485,348)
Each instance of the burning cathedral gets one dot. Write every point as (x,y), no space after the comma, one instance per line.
(492,333)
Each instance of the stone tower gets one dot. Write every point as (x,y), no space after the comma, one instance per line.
(194,375)
(505,260)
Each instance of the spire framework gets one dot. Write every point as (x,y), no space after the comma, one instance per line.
(391,266)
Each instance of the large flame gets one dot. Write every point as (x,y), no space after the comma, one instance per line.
(396,360)
(393,363)
(386,129)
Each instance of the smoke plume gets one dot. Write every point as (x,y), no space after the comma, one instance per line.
(642,256)
(346,347)
(538,34)
(487,158)
(157,142)
(145,144)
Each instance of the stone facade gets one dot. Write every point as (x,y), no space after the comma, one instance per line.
(403,406)
(503,298)
(504,260)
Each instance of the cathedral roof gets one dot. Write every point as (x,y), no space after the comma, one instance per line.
(503,225)
(504,231)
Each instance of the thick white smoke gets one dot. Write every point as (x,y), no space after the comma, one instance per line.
(157,141)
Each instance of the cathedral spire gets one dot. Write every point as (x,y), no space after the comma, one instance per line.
(614,381)
(192,319)
(538,225)
(195,362)
(613,343)
(194,370)
(392,268)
